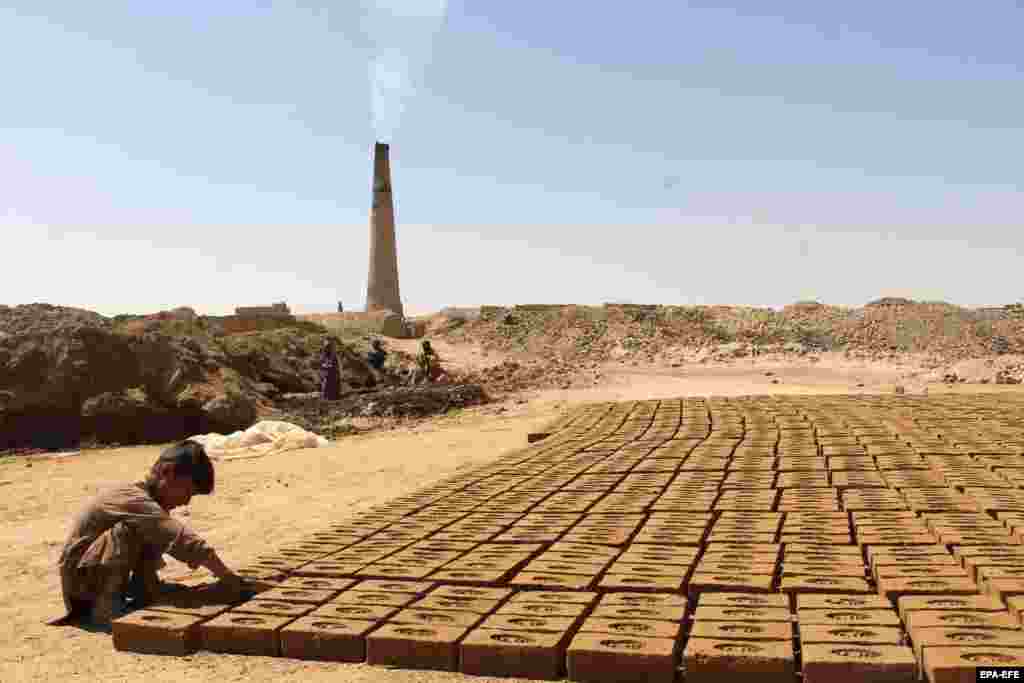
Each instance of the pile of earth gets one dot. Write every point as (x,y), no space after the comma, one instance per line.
(582,335)
(328,418)
(70,376)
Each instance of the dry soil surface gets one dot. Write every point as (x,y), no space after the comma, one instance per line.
(264,503)
(258,506)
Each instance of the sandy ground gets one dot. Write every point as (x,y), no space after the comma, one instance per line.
(264,503)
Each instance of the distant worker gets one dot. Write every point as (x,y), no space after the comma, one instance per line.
(427,363)
(377,355)
(330,372)
(116,543)
(341,309)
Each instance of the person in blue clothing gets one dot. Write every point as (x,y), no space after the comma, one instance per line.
(377,355)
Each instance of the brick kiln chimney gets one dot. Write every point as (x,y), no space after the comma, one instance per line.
(382,284)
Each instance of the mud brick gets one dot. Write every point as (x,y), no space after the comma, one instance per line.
(522,654)
(555,596)
(800,585)
(961,618)
(429,617)
(329,569)
(552,581)
(243,634)
(541,565)
(843,602)
(859,635)
(632,628)
(856,479)
(345,612)
(157,633)
(895,588)
(707,660)
(742,612)
(750,558)
(636,582)
(622,566)
(707,582)
(615,537)
(354,596)
(638,555)
(958,664)
(317,638)
(899,560)
(587,559)
(919,603)
(459,604)
(710,566)
(298,595)
(443,546)
(890,571)
(471,592)
(597,657)
(739,599)
(741,537)
(419,588)
(816,537)
(960,636)
(198,602)
(334,586)
(963,538)
(816,527)
(567,547)
(415,647)
(396,571)
(274,607)
(832,662)
(837,570)
(848,617)
(926,552)
(990,551)
(897,528)
(766,548)
(819,557)
(738,630)
(538,624)
(543,609)
(658,613)
(907,539)
(692,537)
(471,577)
(975,563)
(872,499)
(644,600)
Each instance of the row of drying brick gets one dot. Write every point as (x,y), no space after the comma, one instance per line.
(625,637)
(745,564)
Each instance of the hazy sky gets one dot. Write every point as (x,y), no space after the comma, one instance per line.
(213,154)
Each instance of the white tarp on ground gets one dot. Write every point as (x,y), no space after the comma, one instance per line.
(263,438)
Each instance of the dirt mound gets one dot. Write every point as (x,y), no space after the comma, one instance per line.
(68,375)
(587,334)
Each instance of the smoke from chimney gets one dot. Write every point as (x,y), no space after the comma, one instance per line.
(402,33)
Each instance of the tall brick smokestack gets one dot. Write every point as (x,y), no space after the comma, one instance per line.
(382,285)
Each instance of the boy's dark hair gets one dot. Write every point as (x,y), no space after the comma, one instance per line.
(189,459)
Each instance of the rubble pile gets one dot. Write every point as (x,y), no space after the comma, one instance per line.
(601,333)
